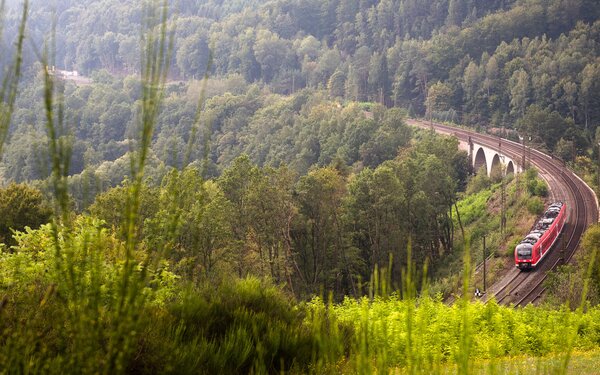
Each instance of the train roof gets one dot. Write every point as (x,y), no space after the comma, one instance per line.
(532,238)
(528,241)
(547,220)
(543,224)
(523,245)
(553,211)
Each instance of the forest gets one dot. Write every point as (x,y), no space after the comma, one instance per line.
(526,65)
(230,186)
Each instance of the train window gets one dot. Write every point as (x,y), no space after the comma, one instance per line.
(523,252)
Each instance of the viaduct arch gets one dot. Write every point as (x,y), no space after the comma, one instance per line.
(483,156)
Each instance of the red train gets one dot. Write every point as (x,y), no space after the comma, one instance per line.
(538,243)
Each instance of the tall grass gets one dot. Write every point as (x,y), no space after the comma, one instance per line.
(14,350)
(465,331)
(134,273)
(100,310)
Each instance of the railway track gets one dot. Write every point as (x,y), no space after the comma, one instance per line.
(517,287)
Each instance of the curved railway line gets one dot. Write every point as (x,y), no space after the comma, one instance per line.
(523,287)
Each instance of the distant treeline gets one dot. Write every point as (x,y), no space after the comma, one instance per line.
(390,51)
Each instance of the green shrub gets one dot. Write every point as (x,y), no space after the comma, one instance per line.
(496,174)
(535,185)
(478,182)
(237,327)
(474,206)
(531,186)
(535,206)
(510,250)
(531,174)
(541,189)
(21,206)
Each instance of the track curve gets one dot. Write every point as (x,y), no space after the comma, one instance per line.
(520,288)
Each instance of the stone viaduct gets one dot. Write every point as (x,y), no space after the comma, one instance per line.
(484,156)
(490,157)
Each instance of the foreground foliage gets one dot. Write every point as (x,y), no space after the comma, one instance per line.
(494,331)
(249,325)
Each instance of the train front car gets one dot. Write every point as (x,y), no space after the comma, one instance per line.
(539,241)
(526,251)
(523,257)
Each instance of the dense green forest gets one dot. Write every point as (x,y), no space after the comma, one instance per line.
(529,65)
(326,229)
(230,186)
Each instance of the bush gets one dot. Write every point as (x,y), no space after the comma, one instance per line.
(21,206)
(535,206)
(531,174)
(478,182)
(510,250)
(537,187)
(541,190)
(497,174)
(237,327)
